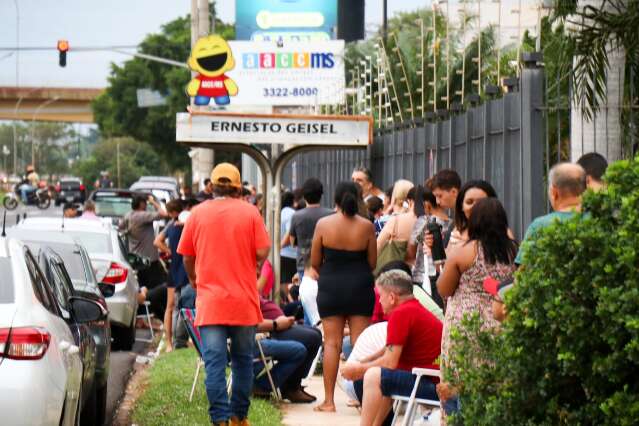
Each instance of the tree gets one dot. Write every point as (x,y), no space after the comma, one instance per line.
(136,159)
(116,110)
(606,50)
(568,353)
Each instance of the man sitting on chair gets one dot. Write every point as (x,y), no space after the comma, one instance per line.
(293,346)
(413,340)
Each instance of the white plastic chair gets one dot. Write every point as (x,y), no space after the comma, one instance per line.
(412,402)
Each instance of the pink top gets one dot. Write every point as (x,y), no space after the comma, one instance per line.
(267,271)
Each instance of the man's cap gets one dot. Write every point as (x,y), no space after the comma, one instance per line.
(498,288)
(226,171)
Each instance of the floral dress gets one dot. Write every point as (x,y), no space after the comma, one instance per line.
(469,298)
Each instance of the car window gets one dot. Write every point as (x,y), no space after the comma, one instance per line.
(61,284)
(161,194)
(112,204)
(123,246)
(39,284)
(93,242)
(6,285)
(77,267)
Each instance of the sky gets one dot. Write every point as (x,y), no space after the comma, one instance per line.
(127,22)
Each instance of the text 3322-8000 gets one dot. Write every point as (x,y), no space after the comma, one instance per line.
(285,91)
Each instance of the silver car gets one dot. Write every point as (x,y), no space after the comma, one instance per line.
(112,265)
(40,366)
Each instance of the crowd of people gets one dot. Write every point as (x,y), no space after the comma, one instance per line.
(376,285)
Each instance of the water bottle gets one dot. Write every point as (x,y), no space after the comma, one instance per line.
(437,250)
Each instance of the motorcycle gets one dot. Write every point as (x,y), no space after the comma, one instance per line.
(40,197)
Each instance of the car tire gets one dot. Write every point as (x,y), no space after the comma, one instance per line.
(100,405)
(88,412)
(123,337)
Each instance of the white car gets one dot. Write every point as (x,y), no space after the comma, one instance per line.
(112,265)
(40,367)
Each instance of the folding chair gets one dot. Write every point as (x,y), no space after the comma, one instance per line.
(412,402)
(147,315)
(188,316)
(268,363)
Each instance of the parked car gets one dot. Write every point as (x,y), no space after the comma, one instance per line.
(40,365)
(70,190)
(163,191)
(116,203)
(113,266)
(82,283)
(165,179)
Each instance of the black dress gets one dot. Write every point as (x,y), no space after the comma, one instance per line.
(345,285)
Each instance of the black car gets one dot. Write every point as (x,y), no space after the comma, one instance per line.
(67,267)
(70,190)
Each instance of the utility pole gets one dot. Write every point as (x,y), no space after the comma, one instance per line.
(117,162)
(202,158)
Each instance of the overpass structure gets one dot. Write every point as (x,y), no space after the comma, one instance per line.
(61,104)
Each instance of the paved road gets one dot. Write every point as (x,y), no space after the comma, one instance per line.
(121,361)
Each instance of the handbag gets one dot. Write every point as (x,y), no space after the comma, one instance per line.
(392,251)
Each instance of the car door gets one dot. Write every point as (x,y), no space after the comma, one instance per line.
(69,379)
(63,290)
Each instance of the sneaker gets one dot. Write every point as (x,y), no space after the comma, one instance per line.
(237,422)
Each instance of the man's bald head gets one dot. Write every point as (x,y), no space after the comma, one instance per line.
(568,179)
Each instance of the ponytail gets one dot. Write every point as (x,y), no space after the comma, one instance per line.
(348,204)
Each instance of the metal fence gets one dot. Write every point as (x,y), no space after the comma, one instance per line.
(500,140)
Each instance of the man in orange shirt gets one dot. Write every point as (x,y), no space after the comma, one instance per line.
(222,244)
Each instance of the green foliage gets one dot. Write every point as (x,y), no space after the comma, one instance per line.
(136,159)
(568,353)
(165,400)
(116,110)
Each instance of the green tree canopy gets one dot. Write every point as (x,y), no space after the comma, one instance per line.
(136,159)
(116,111)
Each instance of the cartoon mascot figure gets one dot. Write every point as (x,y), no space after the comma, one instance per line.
(211,57)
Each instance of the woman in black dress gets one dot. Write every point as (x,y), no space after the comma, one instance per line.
(344,251)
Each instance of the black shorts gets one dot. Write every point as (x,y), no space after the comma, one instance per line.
(288,268)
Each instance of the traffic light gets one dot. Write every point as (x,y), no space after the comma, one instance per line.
(63,48)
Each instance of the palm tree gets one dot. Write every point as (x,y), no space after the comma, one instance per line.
(605,44)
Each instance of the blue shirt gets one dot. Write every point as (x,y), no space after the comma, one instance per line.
(537,224)
(179,277)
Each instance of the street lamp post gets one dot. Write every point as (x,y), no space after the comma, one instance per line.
(35,114)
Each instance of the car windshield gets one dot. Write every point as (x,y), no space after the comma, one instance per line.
(115,205)
(93,242)
(6,285)
(161,194)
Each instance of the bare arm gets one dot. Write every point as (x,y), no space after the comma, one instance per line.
(390,360)
(189,266)
(160,243)
(449,279)
(158,207)
(411,252)
(261,282)
(287,240)
(261,254)
(316,248)
(380,353)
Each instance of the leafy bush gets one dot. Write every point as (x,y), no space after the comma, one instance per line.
(569,352)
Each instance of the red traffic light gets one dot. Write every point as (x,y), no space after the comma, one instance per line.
(63,45)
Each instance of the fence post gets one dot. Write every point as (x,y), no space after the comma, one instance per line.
(532,136)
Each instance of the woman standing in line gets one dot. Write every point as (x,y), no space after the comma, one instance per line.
(344,252)
(489,252)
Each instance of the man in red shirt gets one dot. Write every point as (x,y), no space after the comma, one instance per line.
(413,340)
(222,243)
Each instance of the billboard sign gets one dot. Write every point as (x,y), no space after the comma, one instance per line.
(286,20)
(225,127)
(265,73)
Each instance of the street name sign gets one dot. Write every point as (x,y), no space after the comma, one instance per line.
(283,129)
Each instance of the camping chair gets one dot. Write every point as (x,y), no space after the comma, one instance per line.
(412,402)
(268,363)
(147,315)
(188,315)
(428,302)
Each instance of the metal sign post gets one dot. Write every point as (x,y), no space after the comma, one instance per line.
(295,133)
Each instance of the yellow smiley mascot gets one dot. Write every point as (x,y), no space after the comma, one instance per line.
(211,57)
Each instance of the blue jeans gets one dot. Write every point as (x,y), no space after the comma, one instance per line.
(25,190)
(289,356)
(215,356)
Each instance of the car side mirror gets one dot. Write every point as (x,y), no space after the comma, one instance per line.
(138,262)
(85,310)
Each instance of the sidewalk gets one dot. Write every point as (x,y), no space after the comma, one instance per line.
(303,414)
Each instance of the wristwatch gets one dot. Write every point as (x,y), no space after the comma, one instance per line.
(274,325)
